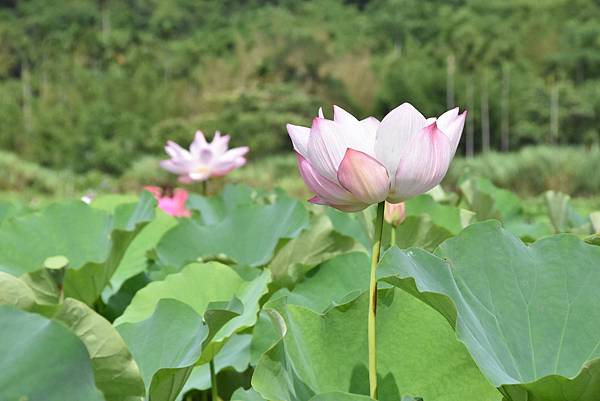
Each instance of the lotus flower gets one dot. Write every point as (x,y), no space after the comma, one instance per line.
(203,160)
(350,164)
(171,203)
(395,213)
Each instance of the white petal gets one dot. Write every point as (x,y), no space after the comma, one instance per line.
(342,116)
(395,134)
(326,147)
(176,152)
(219,144)
(198,144)
(299,136)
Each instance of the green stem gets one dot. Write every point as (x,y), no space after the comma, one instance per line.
(204,187)
(373,301)
(392,235)
(214,392)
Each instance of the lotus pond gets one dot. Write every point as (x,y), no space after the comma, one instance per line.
(478,300)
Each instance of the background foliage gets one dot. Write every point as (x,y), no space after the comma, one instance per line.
(97,84)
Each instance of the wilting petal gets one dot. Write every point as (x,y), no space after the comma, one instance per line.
(452,124)
(198,144)
(395,135)
(343,117)
(299,136)
(423,165)
(330,191)
(326,147)
(364,177)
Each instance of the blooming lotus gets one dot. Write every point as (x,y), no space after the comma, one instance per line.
(350,164)
(203,160)
(395,213)
(172,203)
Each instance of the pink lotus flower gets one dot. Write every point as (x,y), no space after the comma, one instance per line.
(395,213)
(351,164)
(171,203)
(203,160)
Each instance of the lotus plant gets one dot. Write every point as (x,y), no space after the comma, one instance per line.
(171,201)
(350,164)
(204,159)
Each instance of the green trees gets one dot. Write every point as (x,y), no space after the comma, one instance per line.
(96,84)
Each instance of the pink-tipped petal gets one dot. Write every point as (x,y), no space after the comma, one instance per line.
(342,116)
(364,177)
(317,200)
(395,134)
(299,136)
(452,124)
(320,185)
(424,166)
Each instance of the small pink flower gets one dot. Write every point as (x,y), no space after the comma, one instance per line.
(203,160)
(350,164)
(173,203)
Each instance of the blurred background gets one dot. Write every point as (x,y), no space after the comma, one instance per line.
(91,89)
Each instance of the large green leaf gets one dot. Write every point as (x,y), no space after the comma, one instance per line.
(87,283)
(248,235)
(332,283)
(452,219)
(528,314)
(323,342)
(418,231)
(215,209)
(116,374)
(135,259)
(319,353)
(71,229)
(92,241)
(198,285)
(314,245)
(169,343)
(42,360)
(234,354)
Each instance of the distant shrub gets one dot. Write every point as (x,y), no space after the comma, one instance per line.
(535,169)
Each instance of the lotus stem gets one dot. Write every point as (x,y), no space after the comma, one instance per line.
(214,392)
(392,235)
(371,324)
(204,188)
